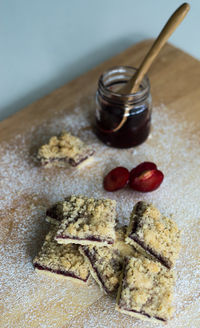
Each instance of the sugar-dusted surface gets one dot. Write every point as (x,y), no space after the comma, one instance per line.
(27,190)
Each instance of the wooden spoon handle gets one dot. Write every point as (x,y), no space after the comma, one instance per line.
(173,22)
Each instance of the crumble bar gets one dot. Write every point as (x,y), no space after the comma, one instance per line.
(105,263)
(146,290)
(64,151)
(61,260)
(87,221)
(153,234)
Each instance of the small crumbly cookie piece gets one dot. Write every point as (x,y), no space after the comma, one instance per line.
(61,260)
(153,234)
(64,151)
(146,290)
(105,263)
(87,221)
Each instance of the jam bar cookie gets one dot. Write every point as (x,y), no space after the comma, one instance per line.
(146,290)
(105,263)
(87,221)
(153,234)
(64,151)
(61,260)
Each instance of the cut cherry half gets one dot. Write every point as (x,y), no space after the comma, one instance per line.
(145,177)
(116,179)
(145,166)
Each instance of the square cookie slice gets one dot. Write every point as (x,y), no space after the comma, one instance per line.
(61,260)
(87,221)
(146,290)
(65,151)
(105,263)
(153,234)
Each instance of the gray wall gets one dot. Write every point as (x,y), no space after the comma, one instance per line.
(46,43)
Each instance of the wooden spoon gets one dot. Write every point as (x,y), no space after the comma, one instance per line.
(133,84)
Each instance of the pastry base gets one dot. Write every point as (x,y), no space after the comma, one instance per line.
(139,316)
(86,162)
(82,242)
(61,276)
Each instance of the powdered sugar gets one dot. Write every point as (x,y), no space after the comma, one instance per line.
(27,190)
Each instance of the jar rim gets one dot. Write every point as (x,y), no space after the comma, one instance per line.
(140,94)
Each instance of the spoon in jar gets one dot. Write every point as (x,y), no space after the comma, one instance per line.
(133,84)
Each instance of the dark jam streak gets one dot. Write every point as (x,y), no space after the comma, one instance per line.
(64,273)
(92,260)
(89,238)
(148,249)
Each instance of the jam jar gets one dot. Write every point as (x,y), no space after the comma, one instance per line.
(122,120)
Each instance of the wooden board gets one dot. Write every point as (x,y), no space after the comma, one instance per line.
(175,82)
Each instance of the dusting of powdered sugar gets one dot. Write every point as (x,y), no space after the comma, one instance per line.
(27,190)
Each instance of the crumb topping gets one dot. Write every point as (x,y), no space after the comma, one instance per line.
(65,146)
(147,288)
(88,217)
(106,262)
(155,231)
(66,258)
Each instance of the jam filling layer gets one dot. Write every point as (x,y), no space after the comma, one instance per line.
(62,272)
(92,259)
(71,161)
(148,249)
(90,238)
(145,314)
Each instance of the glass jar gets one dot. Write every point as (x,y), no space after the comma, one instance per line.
(122,121)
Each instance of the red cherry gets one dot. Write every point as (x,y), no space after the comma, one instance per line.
(145,166)
(116,179)
(148,180)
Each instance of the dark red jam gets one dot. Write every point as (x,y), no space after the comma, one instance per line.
(134,131)
(110,112)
